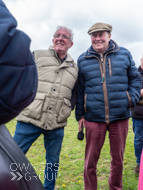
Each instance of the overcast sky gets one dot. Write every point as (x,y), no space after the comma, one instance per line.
(39,19)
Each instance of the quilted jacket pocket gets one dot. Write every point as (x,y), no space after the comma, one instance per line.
(65,111)
(85,102)
(34,110)
(129,99)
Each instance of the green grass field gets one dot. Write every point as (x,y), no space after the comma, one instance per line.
(70,175)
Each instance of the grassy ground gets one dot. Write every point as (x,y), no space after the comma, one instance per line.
(70,175)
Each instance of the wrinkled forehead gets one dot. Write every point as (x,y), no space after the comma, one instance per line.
(63,31)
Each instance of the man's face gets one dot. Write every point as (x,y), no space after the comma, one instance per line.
(100,41)
(62,42)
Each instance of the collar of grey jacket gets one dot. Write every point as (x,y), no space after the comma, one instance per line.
(62,60)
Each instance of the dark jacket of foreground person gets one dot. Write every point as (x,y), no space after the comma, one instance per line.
(18,73)
(18,85)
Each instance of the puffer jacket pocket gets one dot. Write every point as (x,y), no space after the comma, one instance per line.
(129,99)
(34,110)
(65,111)
(85,102)
(110,70)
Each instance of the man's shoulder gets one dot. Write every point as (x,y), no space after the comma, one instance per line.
(71,60)
(124,50)
(84,55)
(42,53)
(119,49)
(81,57)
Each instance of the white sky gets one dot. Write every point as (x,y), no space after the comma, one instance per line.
(39,19)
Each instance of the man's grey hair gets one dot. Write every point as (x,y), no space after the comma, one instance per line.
(69,30)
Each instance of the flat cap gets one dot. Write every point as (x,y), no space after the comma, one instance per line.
(100,27)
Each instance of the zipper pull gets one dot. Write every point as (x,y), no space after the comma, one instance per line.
(103,78)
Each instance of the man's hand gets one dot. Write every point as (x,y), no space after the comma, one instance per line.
(81,123)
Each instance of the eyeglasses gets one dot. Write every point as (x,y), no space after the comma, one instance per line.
(62,36)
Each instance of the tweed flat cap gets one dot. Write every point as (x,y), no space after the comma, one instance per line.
(100,27)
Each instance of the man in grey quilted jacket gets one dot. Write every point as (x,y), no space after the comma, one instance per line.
(55,98)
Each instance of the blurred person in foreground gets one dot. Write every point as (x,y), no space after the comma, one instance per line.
(137,118)
(109,85)
(18,73)
(18,86)
(55,98)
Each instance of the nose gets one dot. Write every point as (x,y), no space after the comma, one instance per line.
(97,37)
(60,37)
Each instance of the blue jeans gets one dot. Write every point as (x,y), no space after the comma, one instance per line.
(26,134)
(138,138)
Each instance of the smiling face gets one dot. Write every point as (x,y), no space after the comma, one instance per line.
(62,42)
(100,41)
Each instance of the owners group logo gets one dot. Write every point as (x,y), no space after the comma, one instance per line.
(16,176)
(20,171)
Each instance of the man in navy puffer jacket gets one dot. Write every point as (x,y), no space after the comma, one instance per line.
(109,85)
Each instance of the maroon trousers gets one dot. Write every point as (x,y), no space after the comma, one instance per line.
(95,137)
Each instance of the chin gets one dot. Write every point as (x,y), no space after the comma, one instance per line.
(59,49)
(98,50)
(98,47)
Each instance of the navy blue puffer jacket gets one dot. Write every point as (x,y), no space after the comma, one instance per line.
(109,84)
(18,73)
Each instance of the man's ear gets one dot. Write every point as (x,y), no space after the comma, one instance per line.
(71,44)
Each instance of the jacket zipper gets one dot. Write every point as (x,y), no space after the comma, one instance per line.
(103,70)
(102,66)
(103,81)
